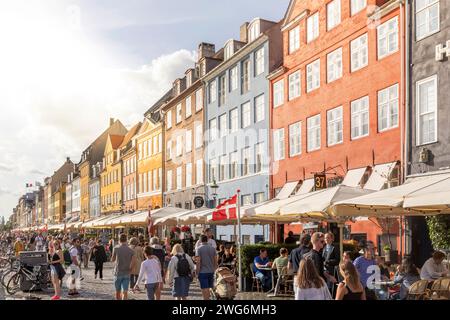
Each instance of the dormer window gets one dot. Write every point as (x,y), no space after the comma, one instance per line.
(254,30)
(229,50)
(188,79)
(176,87)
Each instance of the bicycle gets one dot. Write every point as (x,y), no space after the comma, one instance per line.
(6,273)
(37,277)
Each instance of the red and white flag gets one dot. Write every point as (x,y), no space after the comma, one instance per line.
(226,210)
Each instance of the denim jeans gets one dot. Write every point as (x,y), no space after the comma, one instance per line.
(265,279)
(151,289)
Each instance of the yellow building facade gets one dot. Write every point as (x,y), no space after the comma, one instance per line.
(149,142)
(84,188)
(111,177)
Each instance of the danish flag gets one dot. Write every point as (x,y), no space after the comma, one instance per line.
(226,210)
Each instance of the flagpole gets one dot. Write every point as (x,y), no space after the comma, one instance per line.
(239,238)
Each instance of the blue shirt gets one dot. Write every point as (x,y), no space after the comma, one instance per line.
(261,261)
(362,266)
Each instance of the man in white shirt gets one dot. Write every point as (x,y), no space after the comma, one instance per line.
(434,267)
(211,241)
(39,243)
(75,264)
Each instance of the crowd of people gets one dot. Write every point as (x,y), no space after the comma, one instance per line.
(318,269)
(320,272)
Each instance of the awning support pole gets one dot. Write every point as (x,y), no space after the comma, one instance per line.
(341,238)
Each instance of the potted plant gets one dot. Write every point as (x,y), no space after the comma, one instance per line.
(387,252)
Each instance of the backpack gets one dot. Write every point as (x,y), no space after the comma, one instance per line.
(183,267)
(67,257)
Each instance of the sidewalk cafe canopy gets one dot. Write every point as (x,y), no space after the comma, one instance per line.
(317,204)
(423,196)
(172,219)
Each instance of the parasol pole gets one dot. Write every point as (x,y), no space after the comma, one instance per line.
(239,239)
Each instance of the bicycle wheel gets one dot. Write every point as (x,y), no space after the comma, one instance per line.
(6,276)
(14,283)
(3,263)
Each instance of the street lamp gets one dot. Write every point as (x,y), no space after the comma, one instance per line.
(214,187)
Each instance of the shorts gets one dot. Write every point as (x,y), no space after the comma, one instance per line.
(206,280)
(122,283)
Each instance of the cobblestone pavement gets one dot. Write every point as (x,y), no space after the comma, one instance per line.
(96,289)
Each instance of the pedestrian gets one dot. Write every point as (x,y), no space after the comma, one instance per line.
(290,238)
(181,273)
(227,259)
(331,259)
(18,246)
(406,275)
(139,254)
(366,266)
(49,244)
(318,242)
(350,288)
(434,267)
(206,266)
(150,270)
(208,233)
(75,265)
(31,245)
(221,251)
(160,253)
(57,271)
(310,285)
(346,257)
(297,254)
(86,252)
(124,260)
(39,242)
(260,263)
(99,255)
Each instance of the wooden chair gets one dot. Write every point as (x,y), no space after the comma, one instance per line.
(287,280)
(418,290)
(440,290)
(256,283)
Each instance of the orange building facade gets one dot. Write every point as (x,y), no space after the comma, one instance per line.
(338,99)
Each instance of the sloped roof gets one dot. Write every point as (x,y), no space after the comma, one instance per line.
(150,114)
(133,131)
(116,140)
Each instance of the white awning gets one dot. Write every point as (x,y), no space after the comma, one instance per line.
(172,219)
(353,177)
(318,204)
(306,187)
(380,175)
(197,216)
(419,197)
(287,190)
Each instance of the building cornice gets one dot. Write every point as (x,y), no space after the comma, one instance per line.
(297,19)
(277,72)
(380,12)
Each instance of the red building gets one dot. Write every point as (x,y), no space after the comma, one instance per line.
(338,100)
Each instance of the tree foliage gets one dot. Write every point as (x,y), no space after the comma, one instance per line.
(439,230)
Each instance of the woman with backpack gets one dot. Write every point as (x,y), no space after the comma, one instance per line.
(181,270)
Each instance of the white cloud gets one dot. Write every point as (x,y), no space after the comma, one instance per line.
(59,89)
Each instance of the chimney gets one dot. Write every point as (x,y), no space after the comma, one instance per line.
(68,159)
(111,122)
(244,32)
(206,50)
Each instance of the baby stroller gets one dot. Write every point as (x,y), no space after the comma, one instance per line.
(225,287)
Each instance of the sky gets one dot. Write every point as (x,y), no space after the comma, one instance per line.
(66,67)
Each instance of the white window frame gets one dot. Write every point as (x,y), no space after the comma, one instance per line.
(295,85)
(334,65)
(179,178)
(383,34)
(260,108)
(179,117)
(357,6)
(434,110)
(169,149)
(223,124)
(246,167)
(234,120)
(313,76)
(359,108)
(278,93)
(213,91)
(294,39)
(234,164)
(212,129)
(199,99)
(334,16)
(169,119)
(388,104)
(335,126)
(188,107)
(254,31)
(246,111)
(213,168)
(314,131)
(222,168)
(295,139)
(259,156)
(426,9)
(179,146)
(358,51)
(199,171)
(188,175)
(198,135)
(234,78)
(169,180)
(278,144)
(260,61)
(312,28)
(188,141)
(155,179)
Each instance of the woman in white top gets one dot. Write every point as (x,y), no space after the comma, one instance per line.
(151,271)
(180,280)
(310,286)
